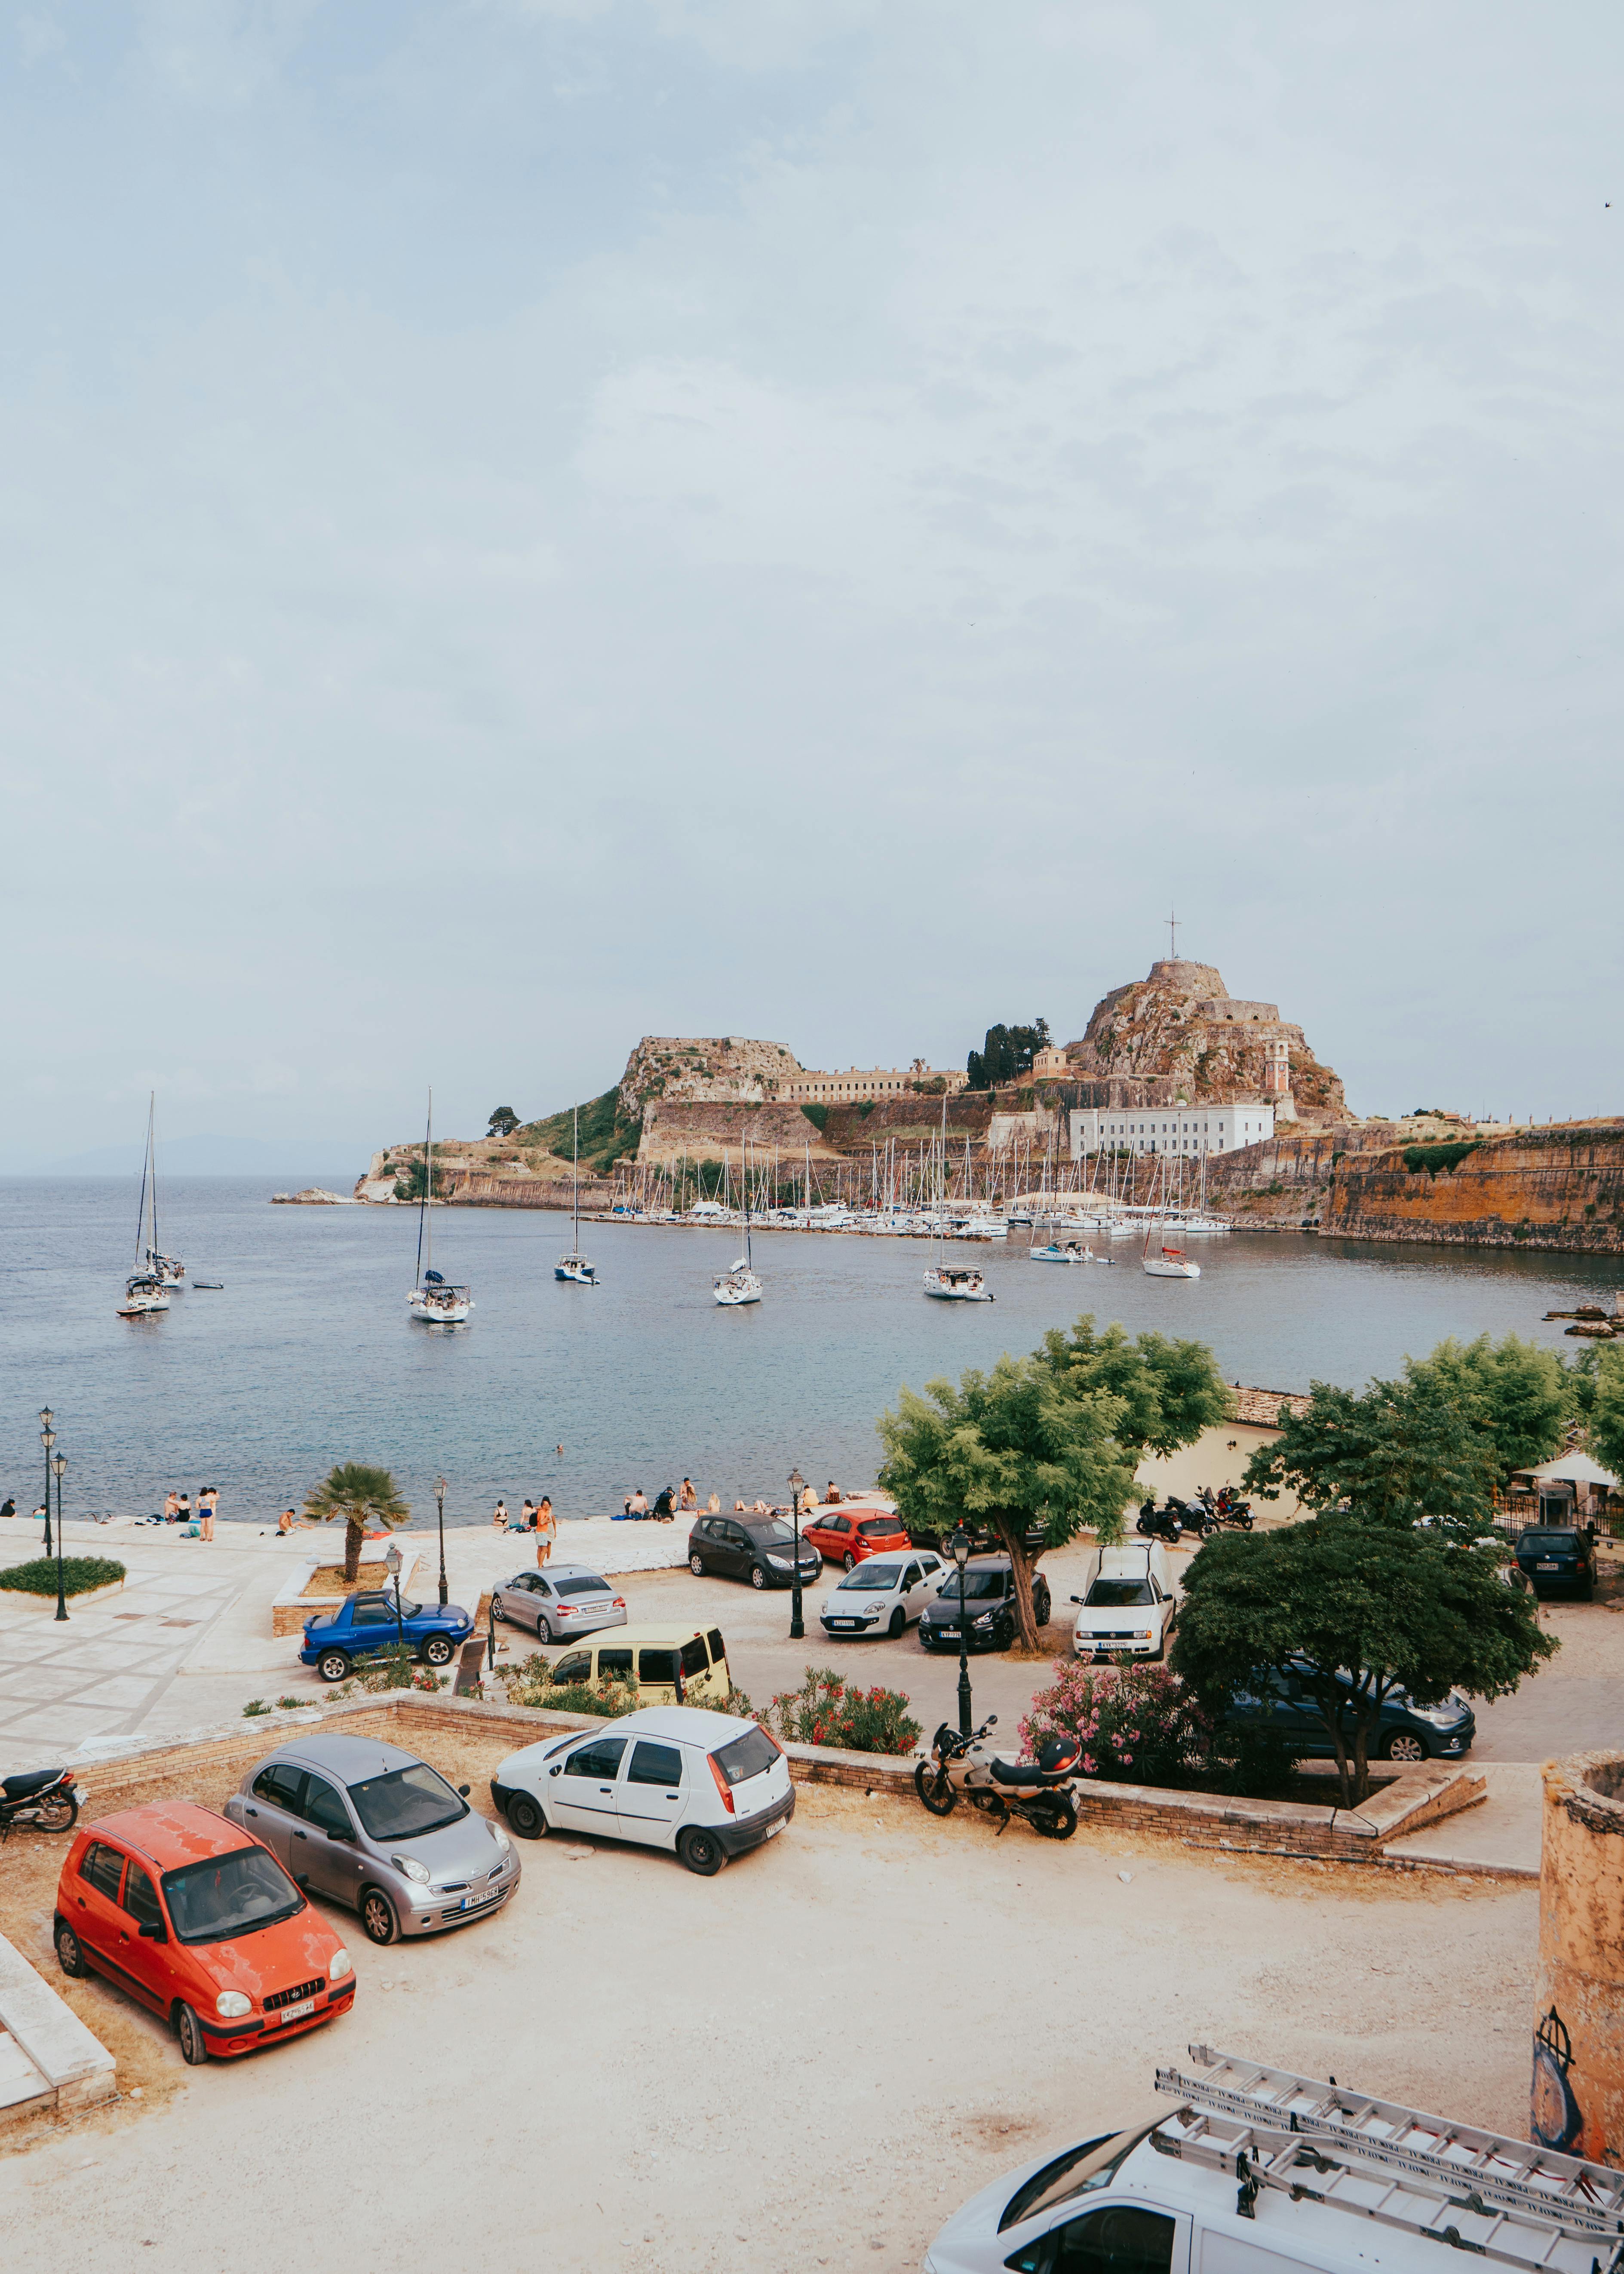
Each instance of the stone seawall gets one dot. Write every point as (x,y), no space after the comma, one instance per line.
(705,1131)
(1560,1187)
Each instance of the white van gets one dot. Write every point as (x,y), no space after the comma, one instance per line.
(1127,1602)
(1259,2172)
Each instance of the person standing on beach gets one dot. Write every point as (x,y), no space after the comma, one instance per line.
(208,1500)
(547,1530)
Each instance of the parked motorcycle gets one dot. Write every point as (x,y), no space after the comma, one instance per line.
(1039,1792)
(46,1797)
(1228,1507)
(1170,1523)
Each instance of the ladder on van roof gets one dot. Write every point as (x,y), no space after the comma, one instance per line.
(1494,2197)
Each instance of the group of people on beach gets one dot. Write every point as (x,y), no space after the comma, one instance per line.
(177,1509)
(535,1516)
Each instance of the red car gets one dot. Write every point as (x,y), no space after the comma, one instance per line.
(195,1919)
(853,1534)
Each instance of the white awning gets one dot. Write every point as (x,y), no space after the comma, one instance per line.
(1574,1469)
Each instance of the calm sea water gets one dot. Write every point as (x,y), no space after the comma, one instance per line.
(307,1356)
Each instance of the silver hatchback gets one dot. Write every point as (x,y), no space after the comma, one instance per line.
(364,1824)
(562,1601)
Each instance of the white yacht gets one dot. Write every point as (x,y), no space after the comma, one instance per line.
(435,1300)
(143,1295)
(735,1288)
(148,1288)
(1066,1251)
(1167,1262)
(952,1283)
(574,1266)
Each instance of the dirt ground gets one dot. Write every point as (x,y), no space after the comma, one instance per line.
(807,2060)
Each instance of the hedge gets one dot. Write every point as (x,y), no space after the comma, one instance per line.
(79,1575)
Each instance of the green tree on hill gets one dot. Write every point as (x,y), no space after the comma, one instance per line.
(1401,1452)
(1006,1054)
(504,1121)
(360,1498)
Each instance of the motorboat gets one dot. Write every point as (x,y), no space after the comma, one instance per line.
(574,1266)
(1066,1251)
(168,1269)
(738,1286)
(950,1282)
(144,1293)
(1167,1262)
(435,1300)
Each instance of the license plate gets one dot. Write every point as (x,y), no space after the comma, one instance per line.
(297,2012)
(773,1830)
(843,1623)
(1547,1567)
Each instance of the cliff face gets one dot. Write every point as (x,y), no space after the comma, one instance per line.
(708,1069)
(1182,1024)
(1548,1188)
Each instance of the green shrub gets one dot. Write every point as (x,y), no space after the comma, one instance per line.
(866,1108)
(1433,1157)
(255,1705)
(393,1668)
(79,1575)
(825,1711)
(818,1115)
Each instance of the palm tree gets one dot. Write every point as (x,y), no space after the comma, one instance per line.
(361,1497)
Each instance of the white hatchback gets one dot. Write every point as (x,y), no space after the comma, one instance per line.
(708,1786)
(884,1593)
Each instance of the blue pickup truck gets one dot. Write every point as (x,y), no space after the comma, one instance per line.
(367,1624)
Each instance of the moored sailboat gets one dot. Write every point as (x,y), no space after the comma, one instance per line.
(146,1290)
(1168,1263)
(574,1266)
(435,1300)
(735,1288)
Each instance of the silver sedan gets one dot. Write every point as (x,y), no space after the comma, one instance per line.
(364,1824)
(565,1599)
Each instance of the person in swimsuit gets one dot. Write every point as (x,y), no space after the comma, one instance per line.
(171,1508)
(526,1516)
(208,1500)
(284,1522)
(499,1517)
(547,1530)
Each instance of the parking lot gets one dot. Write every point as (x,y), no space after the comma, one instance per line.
(617,2070)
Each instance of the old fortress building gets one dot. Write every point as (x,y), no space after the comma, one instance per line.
(857,1085)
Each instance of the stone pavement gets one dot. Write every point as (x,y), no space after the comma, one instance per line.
(1500,1834)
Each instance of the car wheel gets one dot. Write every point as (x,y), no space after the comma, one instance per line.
(378,1917)
(758,1576)
(701,1851)
(1587,1593)
(1055,1820)
(1004,1634)
(437,1649)
(544,1632)
(1404,1745)
(188,2029)
(696,1565)
(333,1665)
(497,1612)
(525,1816)
(935,1788)
(70,1957)
(849,1561)
(899,1620)
(1040,1608)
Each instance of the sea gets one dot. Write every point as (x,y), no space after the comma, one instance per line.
(305,1355)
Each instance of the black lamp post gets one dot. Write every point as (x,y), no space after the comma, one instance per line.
(958,1549)
(48,1438)
(59,1465)
(392,1565)
(440,1503)
(797,1628)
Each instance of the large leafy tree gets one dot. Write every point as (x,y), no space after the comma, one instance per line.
(1400,1451)
(1606,1408)
(360,1498)
(1513,1393)
(504,1121)
(1354,1610)
(1171,1390)
(1011,1449)
(1006,1055)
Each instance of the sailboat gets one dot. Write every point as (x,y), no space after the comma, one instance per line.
(947,1282)
(735,1288)
(148,1288)
(1168,1263)
(434,1299)
(574,1266)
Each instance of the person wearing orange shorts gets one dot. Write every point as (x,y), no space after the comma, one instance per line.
(546,1530)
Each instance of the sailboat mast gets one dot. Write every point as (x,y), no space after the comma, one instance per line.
(428,1185)
(140,1221)
(152,1148)
(576,1179)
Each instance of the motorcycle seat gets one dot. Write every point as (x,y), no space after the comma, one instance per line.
(18,1788)
(1017,1773)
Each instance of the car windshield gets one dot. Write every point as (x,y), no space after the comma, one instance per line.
(1541,1542)
(407,1610)
(1078,2173)
(405,1802)
(583,1587)
(873,1575)
(978,1586)
(773,1535)
(1118,1594)
(227,1895)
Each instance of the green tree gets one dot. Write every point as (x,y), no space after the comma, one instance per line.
(504,1121)
(1514,1393)
(1401,1452)
(1013,1448)
(1606,1413)
(1355,1610)
(1171,1390)
(1006,1055)
(361,1499)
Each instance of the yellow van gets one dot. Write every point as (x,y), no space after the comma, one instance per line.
(670,1666)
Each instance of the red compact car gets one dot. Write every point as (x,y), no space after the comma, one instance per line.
(854,1533)
(196,1920)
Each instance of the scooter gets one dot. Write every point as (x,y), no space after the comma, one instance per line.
(46,1797)
(1170,1523)
(1226,1508)
(1039,1792)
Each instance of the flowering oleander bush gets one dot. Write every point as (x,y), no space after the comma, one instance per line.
(1141,1725)
(826,1710)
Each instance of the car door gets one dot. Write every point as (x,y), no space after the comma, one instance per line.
(574,1666)
(732,1555)
(145,1956)
(272,1808)
(579,1793)
(1115,2239)
(915,1593)
(651,1796)
(329,1853)
(372,1627)
(520,1598)
(95,1913)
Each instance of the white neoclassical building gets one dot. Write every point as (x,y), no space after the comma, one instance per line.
(1188,1129)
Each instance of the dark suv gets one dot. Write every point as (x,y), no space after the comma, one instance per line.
(989,1598)
(759,1549)
(1558,1555)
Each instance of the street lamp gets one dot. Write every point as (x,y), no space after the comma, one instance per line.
(797,1629)
(392,1565)
(958,1549)
(439,1502)
(48,1438)
(59,1464)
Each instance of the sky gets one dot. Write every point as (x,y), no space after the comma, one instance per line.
(532,522)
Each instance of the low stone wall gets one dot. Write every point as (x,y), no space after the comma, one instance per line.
(48,2057)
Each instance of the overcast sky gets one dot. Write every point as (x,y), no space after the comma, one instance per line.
(529,523)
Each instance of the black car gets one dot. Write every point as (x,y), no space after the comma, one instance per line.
(759,1549)
(1558,1555)
(1284,1702)
(989,1599)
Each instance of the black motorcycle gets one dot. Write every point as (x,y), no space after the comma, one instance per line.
(1170,1523)
(46,1797)
(1039,1792)
(1226,1509)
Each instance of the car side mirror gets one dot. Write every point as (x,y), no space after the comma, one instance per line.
(1074,1599)
(154,1931)
(464,1791)
(341,1835)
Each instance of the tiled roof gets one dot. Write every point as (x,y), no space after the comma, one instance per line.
(1263,1405)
